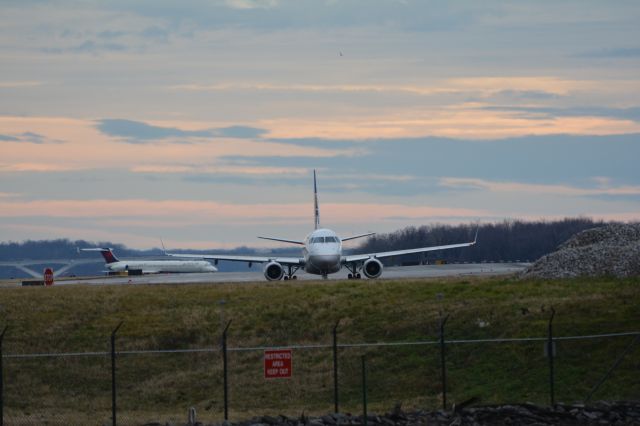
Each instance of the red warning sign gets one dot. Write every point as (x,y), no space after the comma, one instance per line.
(277,363)
(48,276)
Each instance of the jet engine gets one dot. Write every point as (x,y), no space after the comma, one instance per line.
(273,271)
(372,268)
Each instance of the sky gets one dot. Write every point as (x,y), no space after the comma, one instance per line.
(200,122)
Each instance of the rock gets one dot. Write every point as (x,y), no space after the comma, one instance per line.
(611,250)
(339,417)
(328,420)
(269,420)
(615,413)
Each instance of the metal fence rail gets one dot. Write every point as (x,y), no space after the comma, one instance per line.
(322,346)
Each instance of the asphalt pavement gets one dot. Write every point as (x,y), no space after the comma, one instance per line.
(255,274)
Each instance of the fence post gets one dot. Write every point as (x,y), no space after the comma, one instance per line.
(2,378)
(443,367)
(335,367)
(224,369)
(113,374)
(550,354)
(364,390)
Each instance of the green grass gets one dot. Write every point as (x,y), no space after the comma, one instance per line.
(162,387)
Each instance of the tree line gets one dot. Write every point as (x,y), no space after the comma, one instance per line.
(509,240)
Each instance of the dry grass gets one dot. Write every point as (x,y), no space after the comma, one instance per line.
(75,319)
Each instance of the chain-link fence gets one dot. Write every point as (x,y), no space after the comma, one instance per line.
(162,386)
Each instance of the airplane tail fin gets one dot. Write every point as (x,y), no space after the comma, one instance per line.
(108,255)
(316,210)
(106,252)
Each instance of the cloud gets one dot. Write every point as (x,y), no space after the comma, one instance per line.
(28,137)
(217,171)
(139,132)
(282,15)
(156,33)
(19,84)
(524,95)
(32,137)
(210,211)
(318,143)
(239,132)
(9,194)
(88,46)
(37,167)
(563,158)
(251,4)
(533,87)
(630,113)
(315,88)
(110,34)
(521,187)
(612,53)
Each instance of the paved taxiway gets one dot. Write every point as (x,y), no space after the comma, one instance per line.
(255,274)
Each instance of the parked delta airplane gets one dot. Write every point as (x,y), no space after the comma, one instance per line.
(322,254)
(153,266)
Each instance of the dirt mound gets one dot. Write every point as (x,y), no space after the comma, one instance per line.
(611,250)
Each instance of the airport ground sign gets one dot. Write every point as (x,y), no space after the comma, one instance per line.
(48,276)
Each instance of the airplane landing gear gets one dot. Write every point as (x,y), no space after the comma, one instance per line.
(354,274)
(291,273)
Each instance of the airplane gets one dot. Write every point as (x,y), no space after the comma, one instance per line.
(113,264)
(322,254)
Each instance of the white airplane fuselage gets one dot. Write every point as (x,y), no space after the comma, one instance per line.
(162,266)
(322,252)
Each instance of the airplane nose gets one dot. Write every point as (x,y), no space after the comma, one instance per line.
(324,261)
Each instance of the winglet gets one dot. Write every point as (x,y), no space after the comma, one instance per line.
(164,250)
(315,201)
(475,239)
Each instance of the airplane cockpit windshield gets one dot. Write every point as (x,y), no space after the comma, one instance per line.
(316,240)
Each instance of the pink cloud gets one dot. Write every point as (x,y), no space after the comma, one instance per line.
(209,211)
(517,187)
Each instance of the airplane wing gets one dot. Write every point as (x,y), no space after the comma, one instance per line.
(359,236)
(283,241)
(362,257)
(248,259)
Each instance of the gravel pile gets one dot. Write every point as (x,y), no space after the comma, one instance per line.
(611,250)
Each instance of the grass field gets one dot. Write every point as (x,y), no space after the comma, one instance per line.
(163,386)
